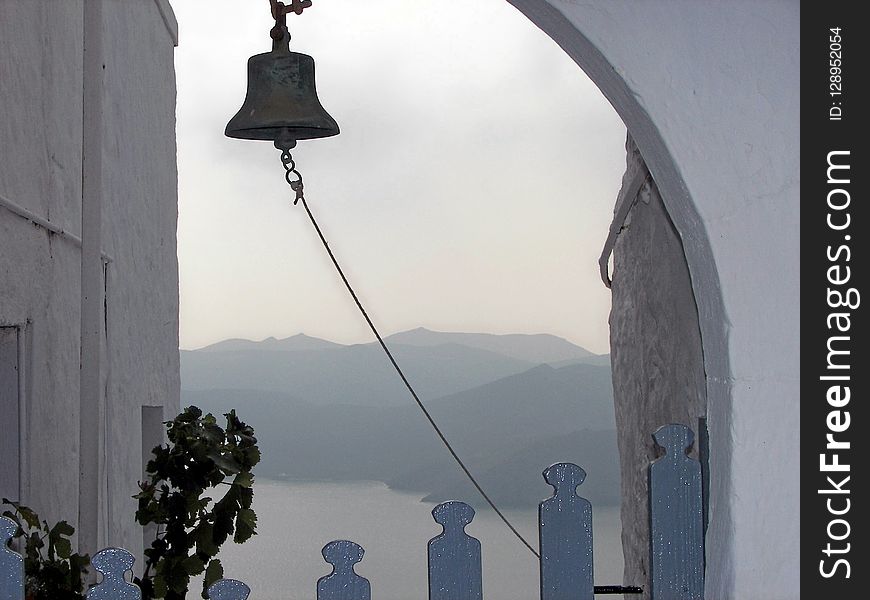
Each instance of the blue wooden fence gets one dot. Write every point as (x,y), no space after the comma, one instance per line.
(565,529)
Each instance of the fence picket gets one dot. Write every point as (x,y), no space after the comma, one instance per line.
(676,526)
(113,564)
(11,563)
(343,583)
(565,529)
(228,589)
(454,556)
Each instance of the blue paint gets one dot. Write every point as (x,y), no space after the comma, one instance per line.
(343,583)
(454,556)
(676,519)
(113,564)
(228,589)
(11,563)
(565,525)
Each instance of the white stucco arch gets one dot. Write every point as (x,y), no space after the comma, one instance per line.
(710,93)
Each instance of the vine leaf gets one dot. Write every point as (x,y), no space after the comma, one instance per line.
(193,565)
(245,480)
(180,496)
(213,573)
(246,525)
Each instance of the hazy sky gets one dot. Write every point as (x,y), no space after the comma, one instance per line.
(471,187)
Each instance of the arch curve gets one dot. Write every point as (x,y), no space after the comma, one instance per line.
(617,86)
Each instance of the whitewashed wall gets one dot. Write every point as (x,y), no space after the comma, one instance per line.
(44,127)
(710,93)
(40,169)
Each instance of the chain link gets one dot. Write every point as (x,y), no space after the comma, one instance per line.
(290,171)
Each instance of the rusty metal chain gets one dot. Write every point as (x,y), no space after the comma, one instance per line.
(290,171)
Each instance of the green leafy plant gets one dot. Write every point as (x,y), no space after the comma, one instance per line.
(191,526)
(52,571)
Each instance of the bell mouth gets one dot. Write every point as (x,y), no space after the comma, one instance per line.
(274,133)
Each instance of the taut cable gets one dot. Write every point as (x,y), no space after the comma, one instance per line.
(297,186)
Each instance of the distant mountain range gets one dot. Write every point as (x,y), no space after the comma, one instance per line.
(510,404)
(296,342)
(538,349)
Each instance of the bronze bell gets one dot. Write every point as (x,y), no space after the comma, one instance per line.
(281,104)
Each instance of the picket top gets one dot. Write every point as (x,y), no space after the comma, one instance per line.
(676,440)
(228,589)
(343,583)
(453,516)
(113,564)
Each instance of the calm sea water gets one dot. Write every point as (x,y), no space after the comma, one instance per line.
(283,561)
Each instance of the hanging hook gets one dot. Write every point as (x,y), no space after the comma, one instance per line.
(279,13)
(280,10)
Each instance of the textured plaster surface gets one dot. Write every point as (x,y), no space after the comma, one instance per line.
(655,352)
(140,205)
(710,93)
(41,131)
(40,169)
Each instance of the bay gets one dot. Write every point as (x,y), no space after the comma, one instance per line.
(296,519)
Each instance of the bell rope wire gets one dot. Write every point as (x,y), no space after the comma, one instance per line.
(297,186)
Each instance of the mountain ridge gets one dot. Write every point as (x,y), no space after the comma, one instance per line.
(509,405)
(358,374)
(294,343)
(535,347)
(539,347)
